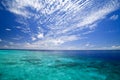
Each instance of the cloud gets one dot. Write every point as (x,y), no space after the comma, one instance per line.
(5,46)
(114,17)
(56,22)
(18,27)
(0,40)
(33,38)
(7,29)
(40,35)
(49,43)
(115,47)
(87,32)
(89,45)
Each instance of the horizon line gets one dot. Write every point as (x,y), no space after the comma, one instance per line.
(61,49)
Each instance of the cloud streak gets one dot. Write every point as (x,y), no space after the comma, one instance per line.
(114,17)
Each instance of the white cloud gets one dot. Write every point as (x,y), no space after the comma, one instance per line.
(87,44)
(87,32)
(114,17)
(40,36)
(7,29)
(19,12)
(115,47)
(50,43)
(33,38)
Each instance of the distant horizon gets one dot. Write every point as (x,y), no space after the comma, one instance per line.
(62,49)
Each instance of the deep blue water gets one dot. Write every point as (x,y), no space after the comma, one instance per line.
(112,55)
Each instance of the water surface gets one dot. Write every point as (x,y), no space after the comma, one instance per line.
(59,65)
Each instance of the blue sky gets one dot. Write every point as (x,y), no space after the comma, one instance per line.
(60,24)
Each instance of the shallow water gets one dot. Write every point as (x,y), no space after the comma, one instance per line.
(59,65)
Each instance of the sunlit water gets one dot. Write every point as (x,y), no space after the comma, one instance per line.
(59,65)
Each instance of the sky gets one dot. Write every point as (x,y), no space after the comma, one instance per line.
(60,24)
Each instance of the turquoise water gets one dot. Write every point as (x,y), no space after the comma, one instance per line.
(59,65)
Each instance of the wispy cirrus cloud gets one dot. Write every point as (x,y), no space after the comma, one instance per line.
(58,21)
(114,17)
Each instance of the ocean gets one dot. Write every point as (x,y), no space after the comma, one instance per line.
(60,65)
